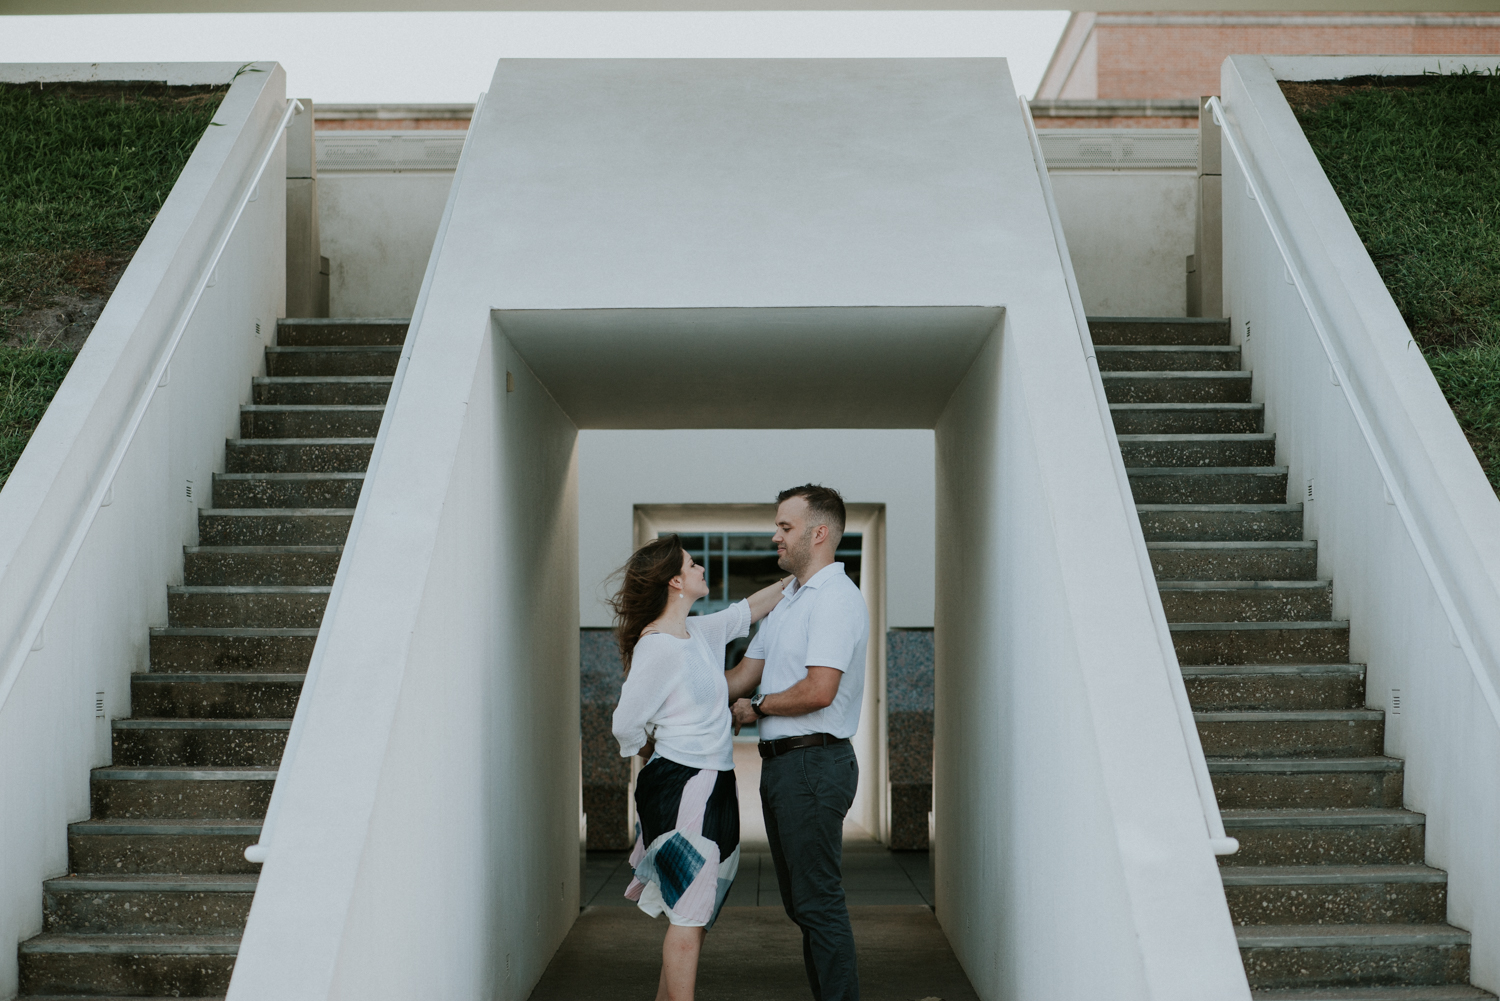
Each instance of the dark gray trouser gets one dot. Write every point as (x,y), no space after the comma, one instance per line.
(805,794)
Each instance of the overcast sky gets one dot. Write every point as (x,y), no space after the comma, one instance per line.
(449,57)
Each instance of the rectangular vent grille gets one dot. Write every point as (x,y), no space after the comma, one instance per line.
(1116,149)
(389,152)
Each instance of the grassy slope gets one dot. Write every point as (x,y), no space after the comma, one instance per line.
(83,171)
(1416,162)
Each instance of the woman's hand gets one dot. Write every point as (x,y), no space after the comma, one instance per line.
(762,601)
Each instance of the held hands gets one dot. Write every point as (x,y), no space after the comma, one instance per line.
(742,713)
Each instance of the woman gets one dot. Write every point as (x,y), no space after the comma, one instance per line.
(674,711)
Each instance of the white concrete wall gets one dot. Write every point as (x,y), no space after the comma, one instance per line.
(620,469)
(1414,549)
(377,230)
(1066,811)
(705,207)
(489,700)
(1129,233)
(91,558)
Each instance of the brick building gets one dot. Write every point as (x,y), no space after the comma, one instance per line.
(1133,58)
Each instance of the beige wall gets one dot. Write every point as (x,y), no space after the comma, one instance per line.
(1129,233)
(377,231)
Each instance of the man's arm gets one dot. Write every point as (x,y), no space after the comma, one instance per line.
(743,678)
(814,692)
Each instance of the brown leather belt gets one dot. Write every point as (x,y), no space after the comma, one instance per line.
(771,748)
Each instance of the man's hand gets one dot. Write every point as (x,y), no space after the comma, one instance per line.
(743,714)
(648,750)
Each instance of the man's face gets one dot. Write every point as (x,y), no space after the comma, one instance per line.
(793,538)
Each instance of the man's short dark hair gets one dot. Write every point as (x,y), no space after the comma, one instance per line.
(823,503)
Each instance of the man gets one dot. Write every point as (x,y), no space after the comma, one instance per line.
(810,659)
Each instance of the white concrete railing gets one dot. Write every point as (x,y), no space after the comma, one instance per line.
(94,515)
(1219,842)
(1406,523)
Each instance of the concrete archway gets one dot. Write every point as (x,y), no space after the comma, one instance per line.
(612,224)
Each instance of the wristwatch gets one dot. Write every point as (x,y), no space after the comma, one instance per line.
(755,701)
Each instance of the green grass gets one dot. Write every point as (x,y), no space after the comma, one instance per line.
(83,171)
(84,168)
(28,379)
(1416,163)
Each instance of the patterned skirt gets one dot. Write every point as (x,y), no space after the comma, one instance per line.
(687,842)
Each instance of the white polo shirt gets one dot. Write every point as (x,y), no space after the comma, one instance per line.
(823,623)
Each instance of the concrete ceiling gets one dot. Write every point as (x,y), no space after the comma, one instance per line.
(281,6)
(809,367)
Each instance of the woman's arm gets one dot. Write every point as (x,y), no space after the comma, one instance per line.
(762,601)
(641,699)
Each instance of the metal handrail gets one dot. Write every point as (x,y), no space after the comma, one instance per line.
(1213,821)
(1396,496)
(261,850)
(32,637)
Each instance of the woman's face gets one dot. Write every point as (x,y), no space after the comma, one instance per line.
(694,579)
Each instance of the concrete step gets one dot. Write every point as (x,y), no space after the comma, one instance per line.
(1176,387)
(1208,484)
(199,743)
(1295,559)
(344,331)
(297,455)
(290,421)
(321,390)
(142,905)
(1168,357)
(1443,992)
(255,651)
(1226,687)
(1325,837)
(332,360)
(287,490)
(253,607)
(1307,783)
(215,696)
(1261,642)
(180,793)
(273,526)
(1336,894)
(1158,330)
(293,566)
(1247,600)
(1180,450)
(1221,522)
(1188,418)
(1293,733)
(101,847)
(1353,955)
(131,965)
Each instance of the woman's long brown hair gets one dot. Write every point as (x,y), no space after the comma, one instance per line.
(643,592)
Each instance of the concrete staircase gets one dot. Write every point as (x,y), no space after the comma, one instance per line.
(1328,891)
(158,888)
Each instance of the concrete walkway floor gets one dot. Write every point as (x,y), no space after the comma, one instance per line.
(753,954)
